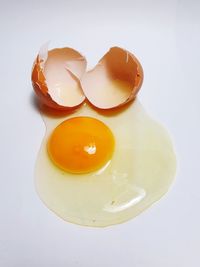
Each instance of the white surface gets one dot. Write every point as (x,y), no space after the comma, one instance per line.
(164,35)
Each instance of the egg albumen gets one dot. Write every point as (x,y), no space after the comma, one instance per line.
(139,173)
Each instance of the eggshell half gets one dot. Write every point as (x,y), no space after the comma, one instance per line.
(56,77)
(114,81)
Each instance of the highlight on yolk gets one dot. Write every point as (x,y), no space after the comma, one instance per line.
(81,145)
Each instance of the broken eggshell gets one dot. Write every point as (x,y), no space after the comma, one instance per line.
(114,81)
(56,77)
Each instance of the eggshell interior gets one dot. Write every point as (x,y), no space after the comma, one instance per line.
(114,81)
(56,75)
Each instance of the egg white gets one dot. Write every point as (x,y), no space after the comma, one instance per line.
(140,172)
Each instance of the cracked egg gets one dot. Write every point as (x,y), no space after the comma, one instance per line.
(103,160)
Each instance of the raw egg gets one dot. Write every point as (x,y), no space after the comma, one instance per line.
(138,173)
(105,160)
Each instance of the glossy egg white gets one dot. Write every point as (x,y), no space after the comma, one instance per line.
(140,172)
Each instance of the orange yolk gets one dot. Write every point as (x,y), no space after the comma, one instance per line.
(81,145)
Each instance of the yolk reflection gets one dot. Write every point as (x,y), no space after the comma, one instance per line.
(81,145)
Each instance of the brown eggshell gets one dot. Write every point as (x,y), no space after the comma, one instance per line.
(114,81)
(55,78)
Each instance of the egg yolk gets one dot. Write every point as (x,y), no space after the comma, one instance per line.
(81,145)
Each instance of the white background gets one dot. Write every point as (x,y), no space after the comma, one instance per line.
(165,36)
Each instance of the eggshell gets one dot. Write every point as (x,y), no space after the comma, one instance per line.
(114,81)
(55,78)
